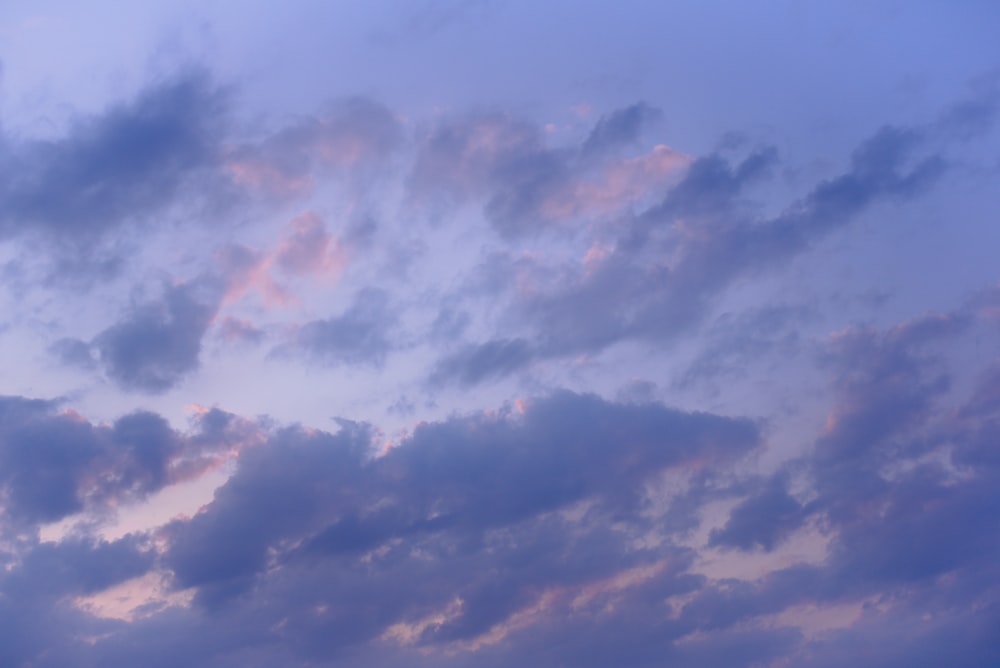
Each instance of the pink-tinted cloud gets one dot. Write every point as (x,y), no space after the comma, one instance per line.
(620,183)
(287,163)
(306,250)
(309,250)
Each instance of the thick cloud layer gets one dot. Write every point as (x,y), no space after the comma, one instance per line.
(501,536)
(56,464)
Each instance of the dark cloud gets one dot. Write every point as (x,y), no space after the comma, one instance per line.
(440,489)
(906,527)
(125,164)
(761,520)
(363,334)
(882,166)
(525,535)
(887,383)
(666,267)
(476,363)
(53,464)
(622,127)
(78,567)
(222,550)
(878,452)
(84,200)
(561,530)
(159,342)
(712,184)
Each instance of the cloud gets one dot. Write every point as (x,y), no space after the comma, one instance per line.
(362,334)
(761,520)
(657,274)
(559,529)
(56,464)
(476,363)
(355,133)
(525,185)
(170,155)
(735,341)
(907,521)
(74,352)
(712,184)
(159,342)
(886,384)
(78,566)
(445,485)
(306,250)
(548,530)
(621,127)
(240,331)
(123,165)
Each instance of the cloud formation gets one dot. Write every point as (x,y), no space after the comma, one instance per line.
(57,464)
(123,165)
(330,339)
(158,342)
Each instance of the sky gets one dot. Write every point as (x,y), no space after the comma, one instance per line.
(499,333)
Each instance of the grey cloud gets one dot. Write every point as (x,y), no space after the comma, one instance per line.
(458,158)
(981,415)
(712,184)
(159,342)
(169,150)
(621,127)
(887,382)
(762,520)
(53,465)
(525,184)
(882,166)
(360,335)
(316,547)
(737,341)
(353,134)
(891,385)
(496,157)
(77,566)
(233,329)
(956,636)
(74,352)
(450,323)
(301,475)
(476,363)
(886,420)
(669,264)
(123,165)
(445,485)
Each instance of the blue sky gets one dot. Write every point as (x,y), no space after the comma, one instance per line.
(499,333)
